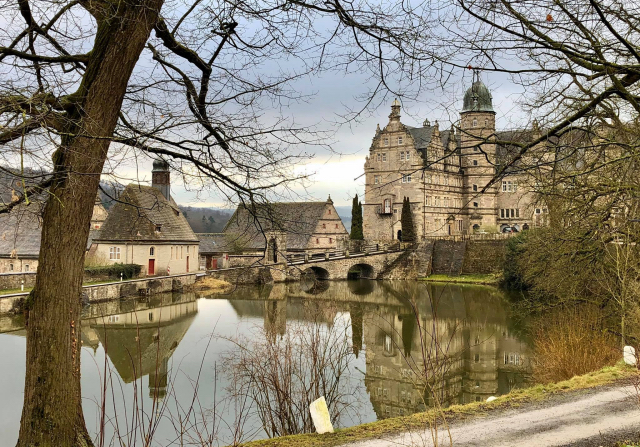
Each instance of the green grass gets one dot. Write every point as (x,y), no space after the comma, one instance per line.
(475,278)
(416,421)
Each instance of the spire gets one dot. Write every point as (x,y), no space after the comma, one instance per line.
(378,129)
(426,123)
(329,200)
(395,110)
(436,129)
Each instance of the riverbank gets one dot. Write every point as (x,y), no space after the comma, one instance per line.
(490,279)
(376,430)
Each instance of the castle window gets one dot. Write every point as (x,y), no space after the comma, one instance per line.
(114,252)
(504,186)
(502,213)
(515,186)
(475,123)
(401,155)
(152,251)
(395,211)
(376,179)
(476,148)
(475,162)
(427,201)
(336,226)
(428,179)
(330,240)
(26,267)
(406,178)
(379,157)
(437,201)
(513,212)
(475,204)
(486,123)
(475,187)
(317,241)
(11,267)
(537,210)
(399,140)
(329,212)
(386,142)
(384,156)
(158,228)
(324,226)
(517,212)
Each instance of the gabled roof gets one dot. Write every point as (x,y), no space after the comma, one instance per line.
(422,136)
(297,219)
(139,211)
(21,231)
(213,243)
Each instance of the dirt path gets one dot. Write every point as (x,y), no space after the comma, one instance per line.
(597,417)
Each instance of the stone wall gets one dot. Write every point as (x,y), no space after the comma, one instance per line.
(448,257)
(14,280)
(114,290)
(484,256)
(412,264)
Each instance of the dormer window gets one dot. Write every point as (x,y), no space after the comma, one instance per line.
(158,228)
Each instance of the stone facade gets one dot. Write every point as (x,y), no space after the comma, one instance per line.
(443,173)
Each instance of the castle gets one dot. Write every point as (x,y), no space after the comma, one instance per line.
(443,173)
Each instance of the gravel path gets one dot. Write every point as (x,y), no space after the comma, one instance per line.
(596,417)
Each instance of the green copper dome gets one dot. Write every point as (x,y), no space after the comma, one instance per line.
(477,99)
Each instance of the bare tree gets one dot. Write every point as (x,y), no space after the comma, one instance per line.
(87,83)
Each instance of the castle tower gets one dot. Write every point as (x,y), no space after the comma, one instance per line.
(478,156)
(160,177)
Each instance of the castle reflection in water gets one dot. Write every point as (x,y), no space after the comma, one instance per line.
(465,333)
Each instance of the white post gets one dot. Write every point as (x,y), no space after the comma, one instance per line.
(120,276)
(22,286)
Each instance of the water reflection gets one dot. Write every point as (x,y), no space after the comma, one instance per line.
(465,333)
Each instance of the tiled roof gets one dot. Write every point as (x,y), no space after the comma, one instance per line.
(137,214)
(21,230)
(297,219)
(213,243)
(422,136)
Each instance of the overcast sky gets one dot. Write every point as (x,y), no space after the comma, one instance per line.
(339,173)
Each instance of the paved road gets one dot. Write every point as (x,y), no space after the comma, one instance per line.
(597,417)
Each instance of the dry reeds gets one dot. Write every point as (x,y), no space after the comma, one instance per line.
(571,341)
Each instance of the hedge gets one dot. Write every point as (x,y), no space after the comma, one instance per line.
(113,271)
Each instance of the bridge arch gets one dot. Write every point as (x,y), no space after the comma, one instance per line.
(316,272)
(361,271)
(314,280)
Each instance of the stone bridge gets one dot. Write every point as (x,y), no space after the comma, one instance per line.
(378,264)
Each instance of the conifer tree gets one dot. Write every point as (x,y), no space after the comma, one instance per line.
(406,220)
(356,220)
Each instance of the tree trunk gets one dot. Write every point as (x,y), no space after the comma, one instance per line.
(52,411)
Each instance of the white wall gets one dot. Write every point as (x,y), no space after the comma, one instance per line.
(173,256)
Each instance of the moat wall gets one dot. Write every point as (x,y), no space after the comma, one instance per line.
(452,257)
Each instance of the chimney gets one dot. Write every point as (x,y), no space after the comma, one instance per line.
(160,178)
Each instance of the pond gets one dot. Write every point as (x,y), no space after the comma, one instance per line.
(188,367)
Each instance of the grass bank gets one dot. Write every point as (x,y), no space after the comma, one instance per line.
(476,278)
(384,427)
